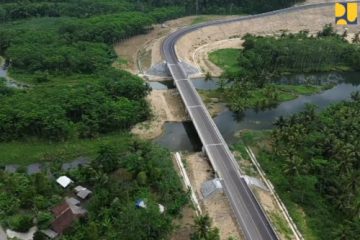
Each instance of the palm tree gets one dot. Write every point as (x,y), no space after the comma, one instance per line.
(356,38)
(203,229)
(280,122)
(355,96)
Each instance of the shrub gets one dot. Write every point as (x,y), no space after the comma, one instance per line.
(21,223)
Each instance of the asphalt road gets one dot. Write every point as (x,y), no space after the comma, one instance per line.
(248,212)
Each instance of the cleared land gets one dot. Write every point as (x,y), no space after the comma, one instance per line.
(195,47)
(140,52)
(218,208)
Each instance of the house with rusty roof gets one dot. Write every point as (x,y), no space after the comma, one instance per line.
(65,215)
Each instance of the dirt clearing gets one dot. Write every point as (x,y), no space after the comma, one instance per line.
(217,207)
(142,51)
(194,47)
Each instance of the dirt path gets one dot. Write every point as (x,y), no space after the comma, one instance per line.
(217,207)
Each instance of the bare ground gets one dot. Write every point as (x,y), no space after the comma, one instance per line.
(135,50)
(166,106)
(217,207)
(184,224)
(194,47)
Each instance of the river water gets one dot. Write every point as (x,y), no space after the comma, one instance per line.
(183,137)
(9,81)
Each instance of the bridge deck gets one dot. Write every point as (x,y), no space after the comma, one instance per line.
(247,210)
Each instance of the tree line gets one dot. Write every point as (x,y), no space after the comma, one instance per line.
(264,59)
(10,10)
(314,162)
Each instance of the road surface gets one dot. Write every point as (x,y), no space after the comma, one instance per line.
(248,212)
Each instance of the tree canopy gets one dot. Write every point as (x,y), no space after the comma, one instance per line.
(264,59)
(314,162)
(87,109)
(112,177)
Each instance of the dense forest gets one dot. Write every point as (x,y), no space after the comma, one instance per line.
(314,164)
(13,10)
(113,102)
(77,36)
(264,59)
(118,176)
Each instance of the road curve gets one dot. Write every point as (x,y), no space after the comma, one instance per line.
(248,212)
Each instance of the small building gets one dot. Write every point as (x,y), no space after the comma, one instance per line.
(82,192)
(64,181)
(72,201)
(65,215)
(49,233)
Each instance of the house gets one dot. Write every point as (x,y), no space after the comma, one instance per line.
(82,192)
(72,201)
(65,215)
(64,181)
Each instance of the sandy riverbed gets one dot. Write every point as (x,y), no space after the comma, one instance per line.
(166,106)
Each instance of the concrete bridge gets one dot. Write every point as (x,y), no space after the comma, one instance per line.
(248,212)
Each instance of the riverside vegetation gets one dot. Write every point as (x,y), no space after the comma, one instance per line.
(313,160)
(312,157)
(250,72)
(78,105)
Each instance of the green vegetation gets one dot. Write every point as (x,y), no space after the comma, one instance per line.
(261,98)
(281,225)
(203,229)
(313,161)
(10,10)
(77,105)
(23,197)
(33,150)
(115,194)
(114,102)
(200,19)
(227,59)
(252,70)
(118,176)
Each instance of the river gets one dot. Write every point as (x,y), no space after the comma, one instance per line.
(9,81)
(183,136)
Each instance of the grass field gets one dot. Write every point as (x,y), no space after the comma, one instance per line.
(227,59)
(33,151)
